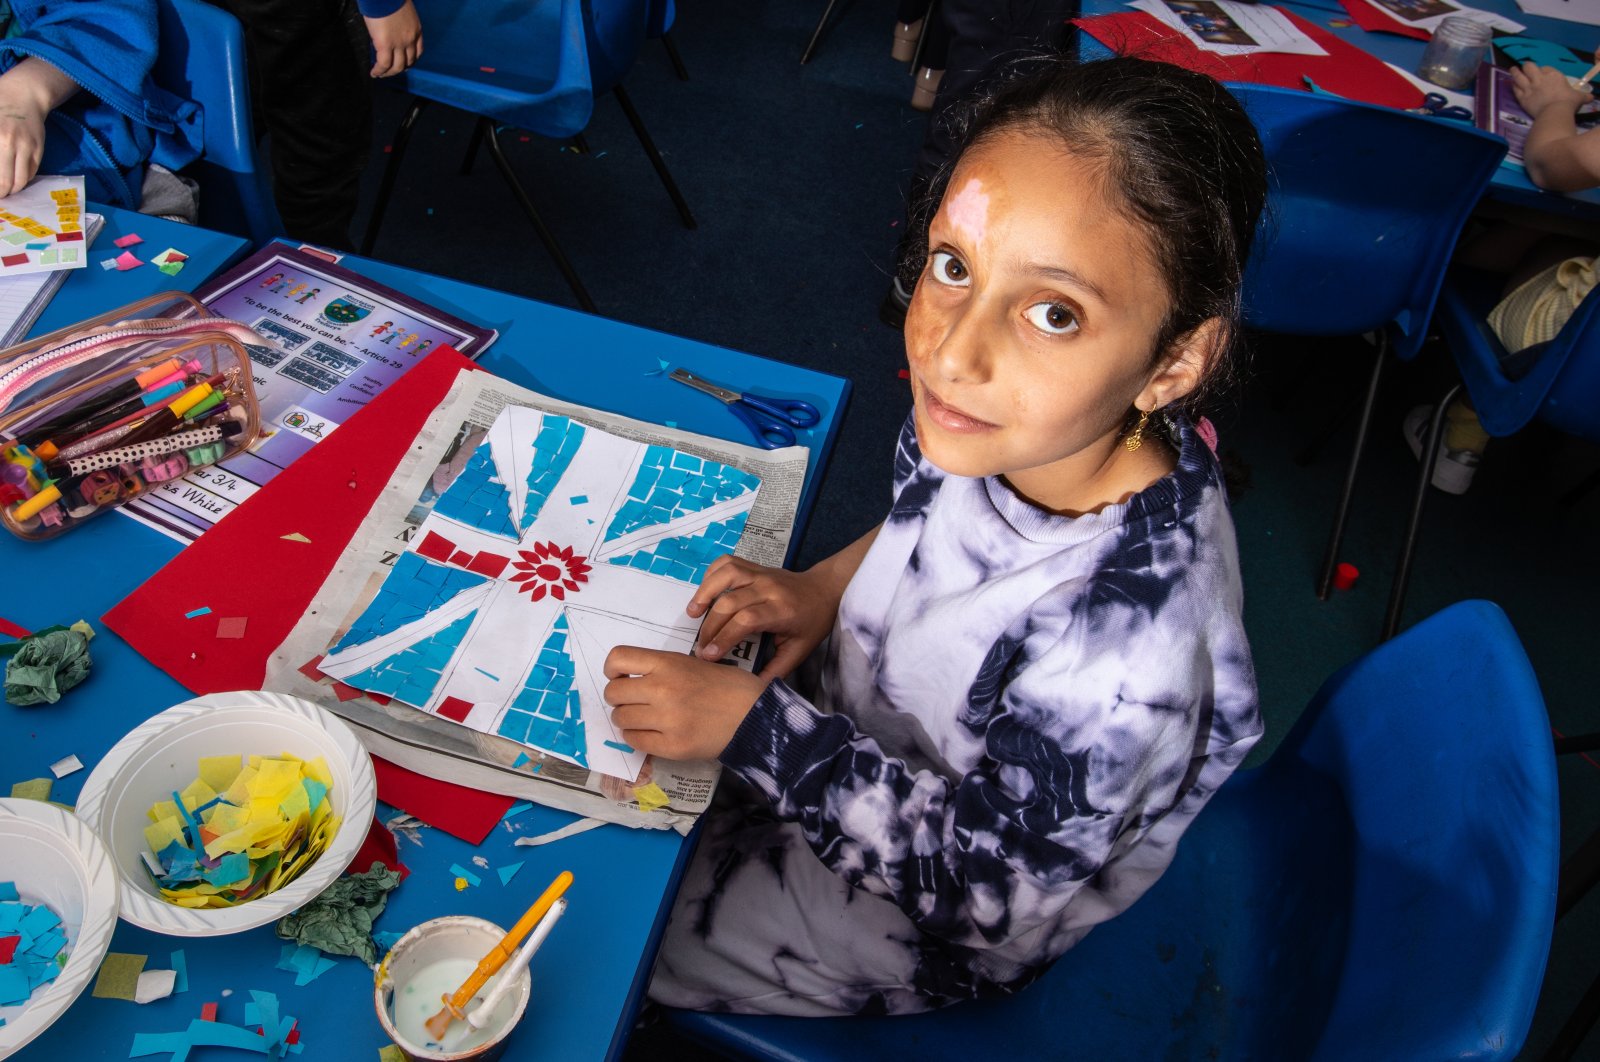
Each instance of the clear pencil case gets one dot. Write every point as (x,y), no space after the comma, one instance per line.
(99,413)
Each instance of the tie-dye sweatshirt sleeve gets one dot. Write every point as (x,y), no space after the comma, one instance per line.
(1017,713)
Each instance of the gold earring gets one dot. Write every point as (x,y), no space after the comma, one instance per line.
(1136,440)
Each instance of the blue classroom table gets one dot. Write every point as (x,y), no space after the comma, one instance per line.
(590,976)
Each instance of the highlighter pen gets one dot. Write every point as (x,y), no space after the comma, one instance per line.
(109,415)
(128,389)
(148,415)
(169,416)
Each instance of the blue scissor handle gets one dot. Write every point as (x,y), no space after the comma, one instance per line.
(770,432)
(1439,107)
(791,411)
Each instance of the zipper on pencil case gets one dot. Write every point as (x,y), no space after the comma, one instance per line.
(17,379)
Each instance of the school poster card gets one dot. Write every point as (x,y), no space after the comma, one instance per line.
(42,227)
(332,340)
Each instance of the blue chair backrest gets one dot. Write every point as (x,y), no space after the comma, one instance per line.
(202,58)
(1384,887)
(1440,743)
(1365,206)
(536,52)
(1560,387)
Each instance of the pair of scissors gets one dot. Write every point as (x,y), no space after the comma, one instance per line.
(1438,107)
(771,420)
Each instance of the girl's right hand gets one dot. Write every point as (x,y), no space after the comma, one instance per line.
(739,599)
(1539,87)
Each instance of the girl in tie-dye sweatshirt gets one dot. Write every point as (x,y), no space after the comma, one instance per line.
(1018,690)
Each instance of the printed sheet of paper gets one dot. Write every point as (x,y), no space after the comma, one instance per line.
(555,543)
(333,341)
(1427,14)
(394,528)
(42,226)
(1224,27)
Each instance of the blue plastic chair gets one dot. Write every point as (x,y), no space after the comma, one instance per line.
(537,65)
(1559,384)
(1382,888)
(202,58)
(1365,207)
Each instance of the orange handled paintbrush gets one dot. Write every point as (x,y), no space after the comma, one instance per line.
(455,1003)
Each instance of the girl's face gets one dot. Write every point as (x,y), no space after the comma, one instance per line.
(1032,330)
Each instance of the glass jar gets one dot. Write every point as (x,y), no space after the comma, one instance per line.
(1454,51)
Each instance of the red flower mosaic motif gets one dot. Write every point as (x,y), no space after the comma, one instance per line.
(550,569)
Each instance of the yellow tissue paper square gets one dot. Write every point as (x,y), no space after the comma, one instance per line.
(164,832)
(219,771)
(196,795)
(273,780)
(650,797)
(163,809)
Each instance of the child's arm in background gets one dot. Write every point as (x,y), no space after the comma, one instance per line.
(1557,158)
(29,91)
(739,599)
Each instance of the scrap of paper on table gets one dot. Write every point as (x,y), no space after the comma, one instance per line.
(37,223)
(555,543)
(1586,12)
(1427,14)
(1225,27)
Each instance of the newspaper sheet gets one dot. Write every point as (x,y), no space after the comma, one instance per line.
(441,749)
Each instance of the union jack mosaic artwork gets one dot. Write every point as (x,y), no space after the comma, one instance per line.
(556,542)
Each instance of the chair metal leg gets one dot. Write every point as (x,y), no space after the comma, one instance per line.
(1330,558)
(928,15)
(1581,491)
(1574,743)
(677,60)
(472,148)
(397,150)
(655,156)
(1408,546)
(1580,872)
(816,34)
(545,235)
(1572,1034)
(580,142)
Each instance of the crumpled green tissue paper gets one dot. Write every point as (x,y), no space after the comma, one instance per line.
(46,664)
(339,922)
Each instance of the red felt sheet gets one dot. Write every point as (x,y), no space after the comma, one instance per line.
(1345,71)
(323,497)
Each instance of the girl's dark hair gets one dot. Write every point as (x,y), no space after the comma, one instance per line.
(1174,145)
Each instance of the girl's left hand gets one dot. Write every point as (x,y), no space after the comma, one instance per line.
(676,706)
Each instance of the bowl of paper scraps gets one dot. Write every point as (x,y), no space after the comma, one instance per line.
(229,811)
(58,908)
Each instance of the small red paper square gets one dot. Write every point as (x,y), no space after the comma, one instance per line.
(208,1012)
(345,692)
(8,948)
(232,626)
(67,237)
(461,558)
(455,708)
(436,547)
(14,260)
(311,670)
(490,564)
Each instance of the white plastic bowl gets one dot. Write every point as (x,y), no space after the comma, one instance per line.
(56,860)
(162,756)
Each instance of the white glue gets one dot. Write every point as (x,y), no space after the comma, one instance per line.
(421,997)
